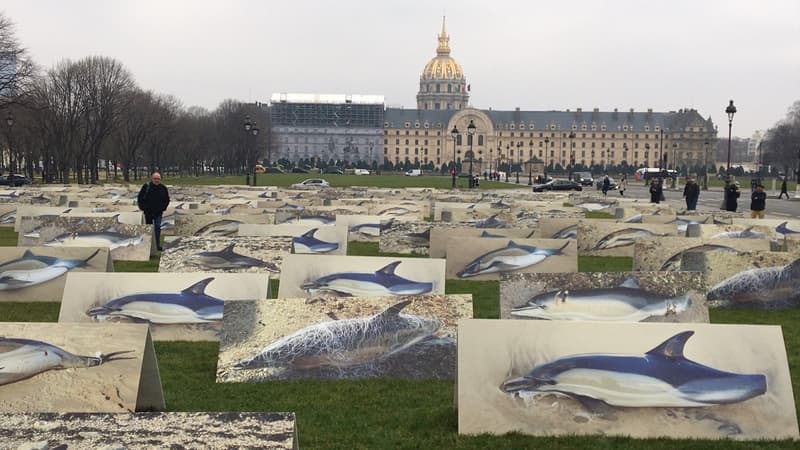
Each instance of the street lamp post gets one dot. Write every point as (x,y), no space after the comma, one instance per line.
(530,174)
(10,123)
(519,159)
(546,150)
(571,153)
(705,165)
(454,133)
(510,160)
(730,111)
(470,134)
(251,129)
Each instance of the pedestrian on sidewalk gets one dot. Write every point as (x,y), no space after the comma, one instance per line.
(758,202)
(656,191)
(623,184)
(606,185)
(784,190)
(732,196)
(691,192)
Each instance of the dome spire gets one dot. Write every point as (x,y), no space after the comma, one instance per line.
(444,41)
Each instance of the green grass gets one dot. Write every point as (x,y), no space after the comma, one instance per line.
(384,413)
(8,237)
(598,215)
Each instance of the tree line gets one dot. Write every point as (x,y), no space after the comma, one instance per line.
(781,144)
(84,119)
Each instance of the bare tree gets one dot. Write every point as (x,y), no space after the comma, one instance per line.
(136,122)
(17,70)
(781,145)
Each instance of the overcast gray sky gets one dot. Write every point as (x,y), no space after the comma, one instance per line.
(537,55)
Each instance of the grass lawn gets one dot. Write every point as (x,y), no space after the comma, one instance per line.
(383,413)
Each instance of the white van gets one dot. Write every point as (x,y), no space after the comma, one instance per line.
(414,173)
(361,172)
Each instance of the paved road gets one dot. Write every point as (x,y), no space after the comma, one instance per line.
(712,198)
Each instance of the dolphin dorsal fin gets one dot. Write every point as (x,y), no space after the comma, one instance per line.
(748,228)
(394,310)
(310,233)
(389,268)
(228,249)
(485,234)
(672,347)
(27,254)
(630,283)
(198,288)
(512,244)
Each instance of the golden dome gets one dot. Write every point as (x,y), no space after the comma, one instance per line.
(443,66)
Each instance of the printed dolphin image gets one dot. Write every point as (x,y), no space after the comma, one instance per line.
(191,305)
(23,358)
(309,219)
(662,377)
(766,288)
(486,234)
(383,282)
(509,258)
(396,211)
(9,217)
(623,238)
(367,229)
(592,206)
(108,239)
(307,243)
(569,232)
(782,228)
(421,238)
(625,303)
(674,261)
(224,227)
(491,222)
(747,233)
(30,270)
(227,259)
(345,343)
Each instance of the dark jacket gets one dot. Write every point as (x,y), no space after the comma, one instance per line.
(153,199)
(656,192)
(783,185)
(731,198)
(691,191)
(758,201)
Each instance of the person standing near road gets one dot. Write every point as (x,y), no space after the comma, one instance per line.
(691,192)
(758,202)
(732,196)
(153,200)
(623,184)
(606,185)
(784,190)
(656,191)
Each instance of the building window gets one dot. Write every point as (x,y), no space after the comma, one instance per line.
(449,87)
(438,88)
(480,139)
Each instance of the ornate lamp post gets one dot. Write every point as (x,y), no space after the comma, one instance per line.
(571,153)
(705,165)
(10,123)
(454,133)
(252,130)
(546,150)
(470,135)
(730,111)
(530,177)
(510,160)
(519,159)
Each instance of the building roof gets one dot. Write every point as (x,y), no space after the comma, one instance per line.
(327,98)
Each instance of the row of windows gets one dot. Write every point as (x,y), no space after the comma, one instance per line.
(451,88)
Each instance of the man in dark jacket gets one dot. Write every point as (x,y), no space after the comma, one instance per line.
(758,202)
(153,199)
(784,190)
(656,191)
(691,192)
(732,196)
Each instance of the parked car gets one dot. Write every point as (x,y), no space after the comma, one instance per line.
(272,170)
(311,183)
(599,183)
(558,185)
(299,170)
(19,180)
(361,172)
(415,173)
(333,170)
(584,178)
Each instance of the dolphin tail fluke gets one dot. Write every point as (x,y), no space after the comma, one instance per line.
(672,347)
(198,288)
(389,268)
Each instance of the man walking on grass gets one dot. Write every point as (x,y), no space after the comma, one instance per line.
(153,200)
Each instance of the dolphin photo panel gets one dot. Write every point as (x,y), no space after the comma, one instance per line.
(178,306)
(639,380)
(225,254)
(441,236)
(306,239)
(488,259)
(604,297)
(667,254)
(360,276)
(38,274)
(597,238)
(56,367)
(412,337)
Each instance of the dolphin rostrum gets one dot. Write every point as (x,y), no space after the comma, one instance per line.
(623,237)
(191,305)
(625,303)
(767,288)
(30,270)
(568,232)
(509,258)
(345,343)
(662,377)
(383,282)
(674,261)
(307,243)
(24,358)
(227,259)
